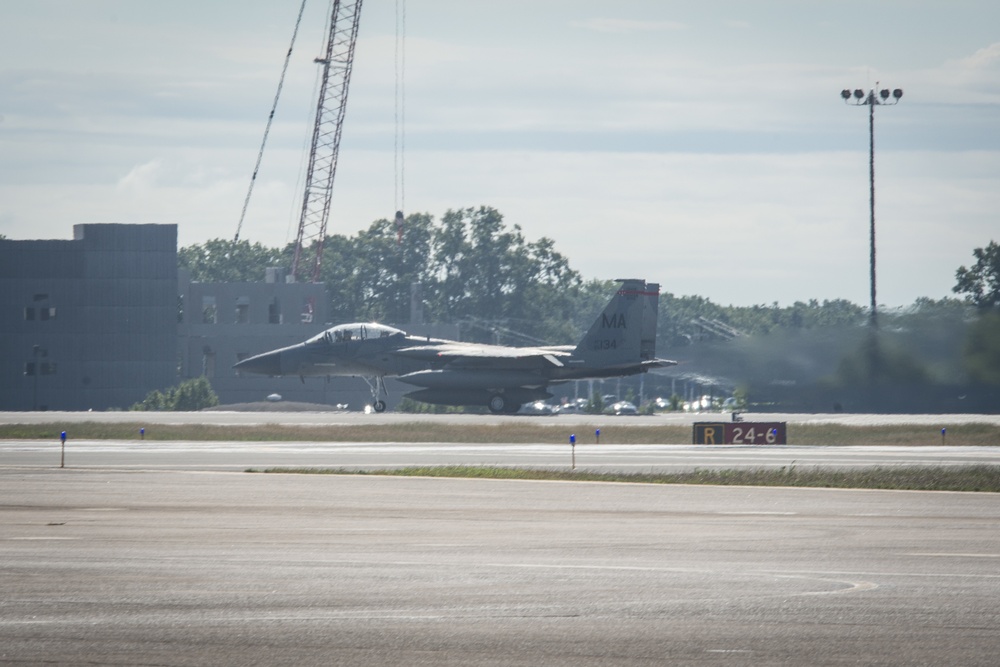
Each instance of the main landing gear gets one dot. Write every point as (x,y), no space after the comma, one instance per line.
(377,386)
(500,405)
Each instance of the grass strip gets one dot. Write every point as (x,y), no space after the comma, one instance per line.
(977,478)
(613,431)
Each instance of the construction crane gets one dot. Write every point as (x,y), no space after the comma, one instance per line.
(330,110)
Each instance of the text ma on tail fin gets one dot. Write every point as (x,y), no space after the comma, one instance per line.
(625,332)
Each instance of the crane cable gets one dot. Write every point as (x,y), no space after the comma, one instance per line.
(270,118)
(399,157)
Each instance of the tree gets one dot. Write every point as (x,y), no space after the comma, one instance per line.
(982,349)
(194,394)
(477,260)
(385,267)
(223,261)
(488,275)
(981,287)
(189,396)
(981,283)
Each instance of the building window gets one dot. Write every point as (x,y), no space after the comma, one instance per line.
(240,356)
(209,311)
(208,362)
(39,312)
(274,312)
(47,313)
(242,310)
(39,367)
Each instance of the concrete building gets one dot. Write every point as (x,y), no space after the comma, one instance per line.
(89,323)
(222,323)
(100,321)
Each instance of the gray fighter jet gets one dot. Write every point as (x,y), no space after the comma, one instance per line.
(620,342)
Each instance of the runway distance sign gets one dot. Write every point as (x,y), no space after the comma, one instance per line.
(739,433)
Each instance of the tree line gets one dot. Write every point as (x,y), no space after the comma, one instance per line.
(475,271)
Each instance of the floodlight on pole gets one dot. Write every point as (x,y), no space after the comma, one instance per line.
(870,99)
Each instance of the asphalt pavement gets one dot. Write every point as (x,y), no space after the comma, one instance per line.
(128,567)
(585,455)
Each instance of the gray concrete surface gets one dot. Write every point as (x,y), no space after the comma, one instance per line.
(240,455)
(119,567)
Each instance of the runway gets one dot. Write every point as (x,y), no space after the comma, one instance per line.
(586,455)
(134,567)
(166,553)
(239,455)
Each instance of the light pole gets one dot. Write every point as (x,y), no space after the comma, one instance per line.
(859,98)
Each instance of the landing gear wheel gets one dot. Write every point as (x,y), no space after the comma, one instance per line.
(497,404)
(379,406)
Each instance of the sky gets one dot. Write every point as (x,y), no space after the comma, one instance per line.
(701,145)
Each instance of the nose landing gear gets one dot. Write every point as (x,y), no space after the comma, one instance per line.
(377,386)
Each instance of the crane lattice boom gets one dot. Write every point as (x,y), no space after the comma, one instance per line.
(330,109)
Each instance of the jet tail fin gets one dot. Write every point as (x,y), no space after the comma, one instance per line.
(625,332)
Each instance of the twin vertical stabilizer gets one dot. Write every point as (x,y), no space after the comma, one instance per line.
(625,333)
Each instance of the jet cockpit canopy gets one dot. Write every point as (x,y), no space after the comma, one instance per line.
(355,331)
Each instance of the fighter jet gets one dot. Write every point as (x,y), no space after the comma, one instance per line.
(620,342)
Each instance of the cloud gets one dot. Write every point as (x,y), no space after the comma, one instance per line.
(983,58)
(142,177)
(627,26)
(974,79)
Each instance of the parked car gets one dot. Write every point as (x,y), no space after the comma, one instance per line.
(700,404)
(624,408)
(537,408)
(577,407)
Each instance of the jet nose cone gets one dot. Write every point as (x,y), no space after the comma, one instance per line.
(268,363)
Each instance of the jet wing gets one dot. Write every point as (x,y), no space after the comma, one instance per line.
(658,363)
(477,355)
